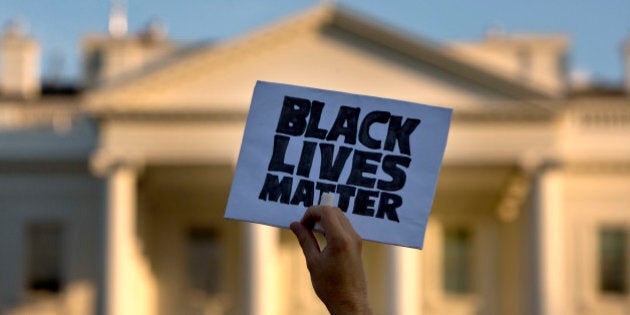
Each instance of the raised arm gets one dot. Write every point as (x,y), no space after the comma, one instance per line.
(337,269)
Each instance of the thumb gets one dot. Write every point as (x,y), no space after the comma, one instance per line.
(307,240)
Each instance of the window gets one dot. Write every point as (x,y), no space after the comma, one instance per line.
(204,261)
(457,260)
(44,256)
(613,260)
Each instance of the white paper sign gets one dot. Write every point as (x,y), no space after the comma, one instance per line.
(380,157)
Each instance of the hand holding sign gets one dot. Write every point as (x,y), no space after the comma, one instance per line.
(337,270)
(380,157)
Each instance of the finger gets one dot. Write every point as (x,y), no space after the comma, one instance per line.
(329,219)
(325,215)
(312,215)
(307,240)
(347,225)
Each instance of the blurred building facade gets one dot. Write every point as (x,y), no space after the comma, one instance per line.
(112,195)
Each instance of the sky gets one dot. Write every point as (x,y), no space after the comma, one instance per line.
(597,29)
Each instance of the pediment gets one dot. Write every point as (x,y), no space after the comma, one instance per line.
(325,48)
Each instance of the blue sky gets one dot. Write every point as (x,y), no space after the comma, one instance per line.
(597,29)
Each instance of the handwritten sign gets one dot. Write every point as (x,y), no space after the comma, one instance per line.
(380,157)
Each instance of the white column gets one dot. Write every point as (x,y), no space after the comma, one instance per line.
(551,244)
(404,292)
(120,220)
(261,269)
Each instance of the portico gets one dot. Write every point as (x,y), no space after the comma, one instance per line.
(144,159)
(143,186)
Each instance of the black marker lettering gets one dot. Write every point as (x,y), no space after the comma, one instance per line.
(368,121)
(360,166)
(364,202)
(312,129)
(303,193)
(400,134)
(293,116)
(280,144)
(345,125)
(345,193)
(391,166)
(274,190)
(306,159)
(330,170)
(387,206)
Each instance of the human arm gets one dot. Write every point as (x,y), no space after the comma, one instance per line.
(337,269)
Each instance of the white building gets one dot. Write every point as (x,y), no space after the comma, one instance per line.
(112,200)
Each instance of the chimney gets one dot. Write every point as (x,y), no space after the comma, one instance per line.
(539,60)
(19,63)
(534,60)
(109,58)
(117,18)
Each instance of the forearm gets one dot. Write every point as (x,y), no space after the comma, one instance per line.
(337,269)
(356,308)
